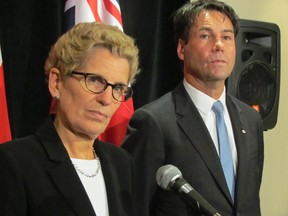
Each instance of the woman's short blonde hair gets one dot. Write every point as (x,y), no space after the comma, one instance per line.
(72,49)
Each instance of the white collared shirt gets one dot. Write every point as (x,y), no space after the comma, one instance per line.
(204,105)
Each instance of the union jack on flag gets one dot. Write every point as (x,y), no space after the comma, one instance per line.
(106,11)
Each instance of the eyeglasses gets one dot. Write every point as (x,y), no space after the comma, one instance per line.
(97,84)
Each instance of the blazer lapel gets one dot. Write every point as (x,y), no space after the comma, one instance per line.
(70,186)
(239,124)
(195,129)
(62,172)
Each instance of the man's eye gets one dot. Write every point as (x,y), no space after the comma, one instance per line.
(226,37)
(204,36)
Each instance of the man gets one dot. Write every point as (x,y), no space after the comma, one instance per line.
(180,127)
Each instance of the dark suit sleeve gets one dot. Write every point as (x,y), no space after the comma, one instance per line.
(261,148)
(12,195)
(143,133)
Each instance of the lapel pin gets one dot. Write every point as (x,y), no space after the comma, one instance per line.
(243,131)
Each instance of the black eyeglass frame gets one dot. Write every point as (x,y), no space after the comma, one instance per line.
(126,94)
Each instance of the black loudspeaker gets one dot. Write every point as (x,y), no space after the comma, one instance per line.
(255,79)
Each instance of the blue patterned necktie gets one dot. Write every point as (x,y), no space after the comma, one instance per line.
(224,147)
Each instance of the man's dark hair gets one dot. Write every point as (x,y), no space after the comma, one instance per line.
(186,15)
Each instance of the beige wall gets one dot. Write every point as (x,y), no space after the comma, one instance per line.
(274,189)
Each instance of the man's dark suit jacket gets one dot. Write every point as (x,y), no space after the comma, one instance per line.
(170,130)
(38,178)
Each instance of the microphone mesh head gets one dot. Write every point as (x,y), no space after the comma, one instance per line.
(166,175)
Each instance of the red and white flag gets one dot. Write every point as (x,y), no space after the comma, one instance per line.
(106,11)
(5,133)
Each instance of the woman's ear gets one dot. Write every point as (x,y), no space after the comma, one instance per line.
(180,49)
(54,82)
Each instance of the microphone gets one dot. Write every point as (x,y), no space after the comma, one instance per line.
(169,177)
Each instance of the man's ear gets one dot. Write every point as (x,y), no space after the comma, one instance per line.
(54,82)
(180,49)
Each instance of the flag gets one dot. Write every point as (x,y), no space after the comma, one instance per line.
(106,11)
(116,130)
(5,133)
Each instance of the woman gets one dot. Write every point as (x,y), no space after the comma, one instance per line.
(64,169)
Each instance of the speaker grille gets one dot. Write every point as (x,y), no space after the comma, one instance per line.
(257,87)
(256,75)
